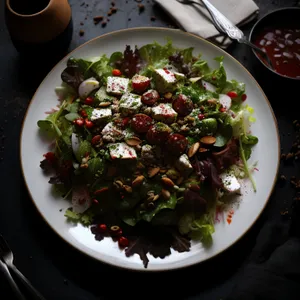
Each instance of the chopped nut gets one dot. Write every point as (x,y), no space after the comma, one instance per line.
(140,166)
(168,182)
(168,95)
(136,182)
(166,194)
(113,10)
(104,104)
(141,7)
(162,171)
(133,141)
(282,177)
(289,156)
(127,188)
(203,150)
(98,19)
(195,187)
(208,140)
(153,171)
(194,148)
(103,24)
(118,184)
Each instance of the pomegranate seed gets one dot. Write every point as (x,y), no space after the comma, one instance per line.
(123,242)
(232,94)
(50,156)
(89,124)
(89,101)
(96,139)
(102,228)
(83,113)
(79,122)
(95,201)
(244,97)
(125,121)
(201,117)
(116,72)
(222,109)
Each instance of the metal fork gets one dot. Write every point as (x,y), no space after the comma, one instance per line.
(8,258)
(223,25)
(4,269)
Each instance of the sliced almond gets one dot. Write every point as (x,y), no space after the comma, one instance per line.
(167,181)
(118,184)
(133,141)
(208,140)
(104,104)
(163,171)
(166,194)
(127,188)
(193,150)
(155,198)
(138,181)
(153,171)
(203,150)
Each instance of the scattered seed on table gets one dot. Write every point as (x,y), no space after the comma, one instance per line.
(104,23)
(81,32)
(153,18)
(141,7)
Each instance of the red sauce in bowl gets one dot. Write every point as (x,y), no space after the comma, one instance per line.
(283,48)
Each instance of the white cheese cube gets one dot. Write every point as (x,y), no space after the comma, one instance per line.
(230,182)
(111,133)
(183,164)
(101,114)
(121,151)
(225,101)
(130,104)
(164,112)
(165,80)
(117,85)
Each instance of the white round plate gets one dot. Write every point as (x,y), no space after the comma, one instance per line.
(250,205)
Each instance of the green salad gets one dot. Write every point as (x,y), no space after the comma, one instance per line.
(149,144)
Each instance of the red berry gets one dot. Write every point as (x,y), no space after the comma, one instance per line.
(89,101)
(176,143)
(158,133)
(79,122)
(95,201)
(125,122)
(141,123)
(222,109)
(183,105)
(123,242)
(116,72)
(244,97)
(50,156)
(201,117)
(150,97)
(83,113)
(232,94)
(89,124)
(140,83)
(96,139)
(102,228)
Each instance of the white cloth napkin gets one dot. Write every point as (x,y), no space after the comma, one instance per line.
(196,19)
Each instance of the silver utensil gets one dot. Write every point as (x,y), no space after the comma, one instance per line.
(5,271)
(224,25)
(8,258)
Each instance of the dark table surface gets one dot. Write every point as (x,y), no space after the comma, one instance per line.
(56,269)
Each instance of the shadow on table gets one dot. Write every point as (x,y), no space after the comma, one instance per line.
(101,279)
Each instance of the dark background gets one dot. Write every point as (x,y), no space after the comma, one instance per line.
(55,268)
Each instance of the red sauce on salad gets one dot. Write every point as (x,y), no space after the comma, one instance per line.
(283,48)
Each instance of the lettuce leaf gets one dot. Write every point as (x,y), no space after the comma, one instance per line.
(102,68)
(218,76)
(200,67)
(171,204)
(85,218)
